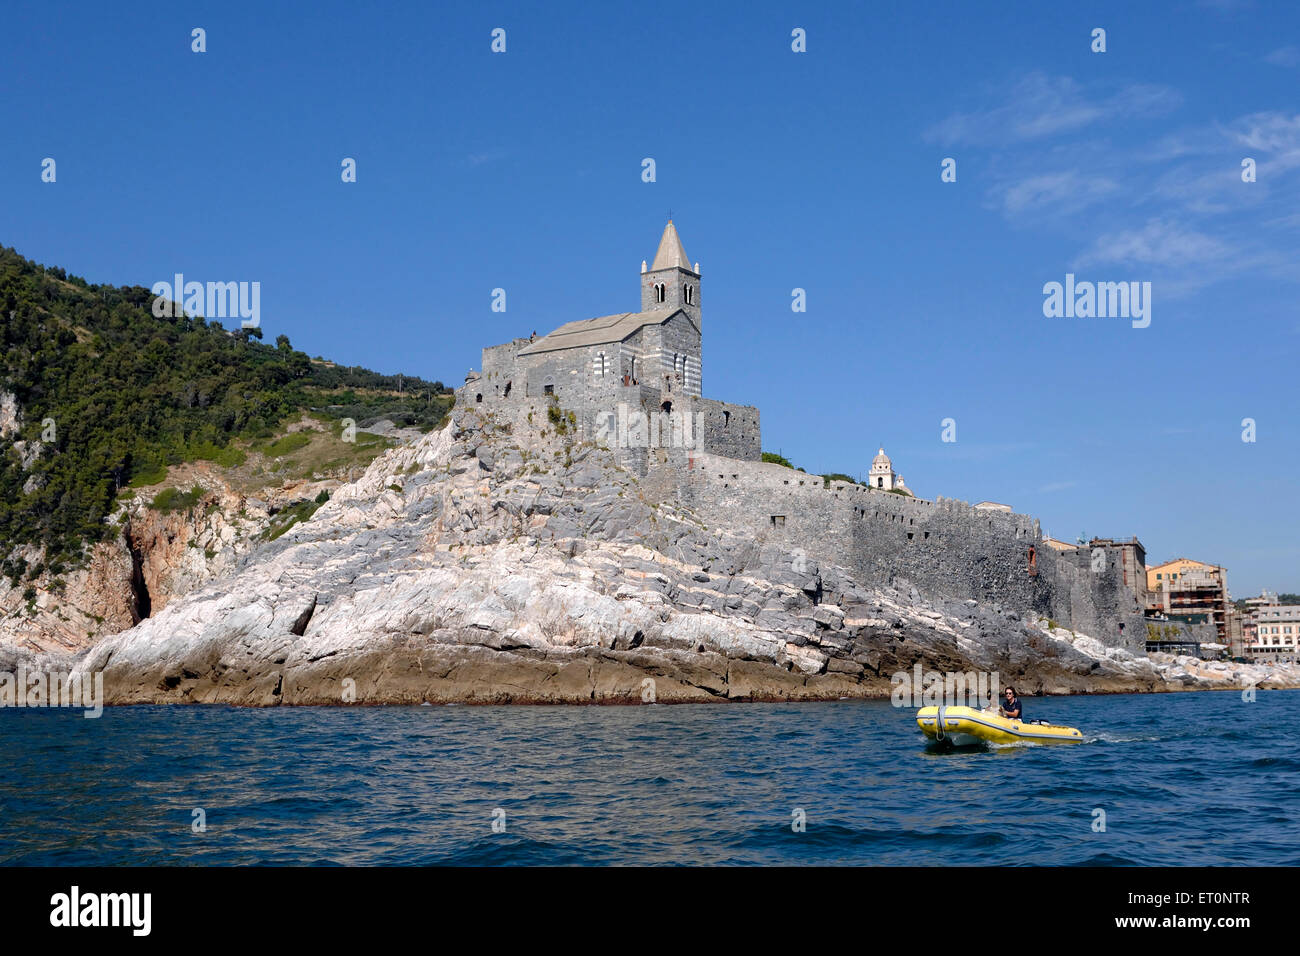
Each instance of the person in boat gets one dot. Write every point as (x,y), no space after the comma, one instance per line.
(1011,705)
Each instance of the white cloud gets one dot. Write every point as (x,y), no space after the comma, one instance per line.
(1284,56)
(1174,207)
(1057,486)
(485,157)
(1158,243)
(1058,193)
(1275,134)
(1039,106)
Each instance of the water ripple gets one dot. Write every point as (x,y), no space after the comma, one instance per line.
(1176,779)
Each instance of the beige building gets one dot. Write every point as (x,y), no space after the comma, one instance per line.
(1057,545)
(1277,633)
(1196,593)
(1249,619)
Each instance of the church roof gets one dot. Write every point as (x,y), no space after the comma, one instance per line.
(606,328)
(670,252)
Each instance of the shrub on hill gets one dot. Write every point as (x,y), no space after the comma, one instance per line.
(110,395)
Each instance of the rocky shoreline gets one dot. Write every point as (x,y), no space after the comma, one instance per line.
(485,564)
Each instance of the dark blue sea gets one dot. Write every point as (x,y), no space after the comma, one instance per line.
(1195,778)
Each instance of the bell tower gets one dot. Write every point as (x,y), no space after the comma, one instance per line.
(671,282)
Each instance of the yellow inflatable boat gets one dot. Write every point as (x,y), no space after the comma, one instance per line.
(964,726)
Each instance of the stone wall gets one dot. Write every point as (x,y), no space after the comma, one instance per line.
(500,367)
(676,281)
(663,343)
(582,377)
(730,430)
(944,548)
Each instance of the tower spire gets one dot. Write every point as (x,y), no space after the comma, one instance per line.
(671,253)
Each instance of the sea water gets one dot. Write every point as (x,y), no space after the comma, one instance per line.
(1190,778)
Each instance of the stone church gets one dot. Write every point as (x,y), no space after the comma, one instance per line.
(646,364)
(632,382)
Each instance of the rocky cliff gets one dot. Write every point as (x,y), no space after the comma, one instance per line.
(488,562)
(153,558)
(158,552)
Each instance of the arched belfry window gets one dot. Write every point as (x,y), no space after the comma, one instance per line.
(661,292)
(690,295)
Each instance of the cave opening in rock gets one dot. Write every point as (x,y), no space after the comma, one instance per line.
(141,604)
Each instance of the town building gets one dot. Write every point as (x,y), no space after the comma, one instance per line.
(1058,545)
(1276,633)
(1250,617)
(1265,599)
(1192,592)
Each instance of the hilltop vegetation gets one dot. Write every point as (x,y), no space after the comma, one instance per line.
(109,396)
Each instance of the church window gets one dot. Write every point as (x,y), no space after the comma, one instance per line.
(687,291)
(726,420)
(548,389)
(660,292)
(478,397)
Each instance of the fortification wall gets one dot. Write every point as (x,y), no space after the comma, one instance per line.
(731,431)
(944,548)
(500,368)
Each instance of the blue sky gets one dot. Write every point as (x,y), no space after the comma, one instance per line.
(816,170)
